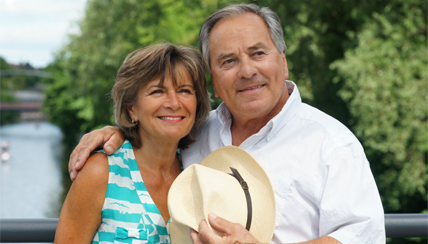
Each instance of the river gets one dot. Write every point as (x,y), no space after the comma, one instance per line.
(31,184)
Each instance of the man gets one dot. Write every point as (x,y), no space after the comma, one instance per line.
(324,189)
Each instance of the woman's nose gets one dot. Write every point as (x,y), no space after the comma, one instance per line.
(172,101)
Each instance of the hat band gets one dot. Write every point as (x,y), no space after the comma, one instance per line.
(245,187)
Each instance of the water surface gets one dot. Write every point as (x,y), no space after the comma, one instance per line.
(31,180)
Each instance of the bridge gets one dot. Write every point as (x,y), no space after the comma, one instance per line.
(22,106)
(26,72)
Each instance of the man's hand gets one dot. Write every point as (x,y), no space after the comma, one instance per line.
(233,233)
(109,137)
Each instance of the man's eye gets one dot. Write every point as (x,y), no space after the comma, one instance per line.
(259,53)
(228,62)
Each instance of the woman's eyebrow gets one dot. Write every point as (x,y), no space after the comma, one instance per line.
(184,85)
(156,86)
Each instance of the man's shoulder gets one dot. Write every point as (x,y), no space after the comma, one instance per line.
(322,121)
(210,124)
(207,138)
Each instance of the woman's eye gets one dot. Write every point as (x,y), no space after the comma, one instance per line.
(156,92)
(188,91)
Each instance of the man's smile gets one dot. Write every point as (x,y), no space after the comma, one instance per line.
(251,88)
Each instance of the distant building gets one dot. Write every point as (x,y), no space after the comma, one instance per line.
(26,66)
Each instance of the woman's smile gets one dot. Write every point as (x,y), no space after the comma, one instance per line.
(171,118)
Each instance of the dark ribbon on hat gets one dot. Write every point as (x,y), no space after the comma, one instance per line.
(244,186)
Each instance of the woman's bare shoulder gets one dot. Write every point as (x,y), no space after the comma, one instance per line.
(81,213)
(96,170)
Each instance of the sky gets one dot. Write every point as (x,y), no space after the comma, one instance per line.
(33,30)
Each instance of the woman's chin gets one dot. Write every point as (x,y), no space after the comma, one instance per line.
(177,136)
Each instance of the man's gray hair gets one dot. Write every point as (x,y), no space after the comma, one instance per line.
(270,18)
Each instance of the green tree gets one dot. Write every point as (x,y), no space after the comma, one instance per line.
(6,95)
(385,81)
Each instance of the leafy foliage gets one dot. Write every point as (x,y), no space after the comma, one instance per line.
(385,88)
(6,95)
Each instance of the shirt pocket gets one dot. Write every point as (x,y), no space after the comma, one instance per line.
(131,235)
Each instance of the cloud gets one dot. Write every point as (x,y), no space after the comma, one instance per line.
(31,31)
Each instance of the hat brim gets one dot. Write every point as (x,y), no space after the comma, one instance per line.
(260,188)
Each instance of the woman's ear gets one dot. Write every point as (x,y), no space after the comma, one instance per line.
(131,112)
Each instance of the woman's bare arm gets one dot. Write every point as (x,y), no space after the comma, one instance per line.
(81,213)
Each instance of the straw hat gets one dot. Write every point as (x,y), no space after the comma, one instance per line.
(211,187)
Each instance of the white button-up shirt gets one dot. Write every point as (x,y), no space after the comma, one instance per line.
(320,175)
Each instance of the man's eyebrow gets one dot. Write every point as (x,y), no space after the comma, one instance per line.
(256,46)
(224,56)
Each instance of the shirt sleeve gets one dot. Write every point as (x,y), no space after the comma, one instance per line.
(350,209)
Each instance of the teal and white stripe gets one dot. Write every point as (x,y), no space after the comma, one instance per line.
(129,214)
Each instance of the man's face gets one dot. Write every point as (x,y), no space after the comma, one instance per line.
(248,73)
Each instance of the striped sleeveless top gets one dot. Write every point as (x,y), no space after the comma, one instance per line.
(129,214)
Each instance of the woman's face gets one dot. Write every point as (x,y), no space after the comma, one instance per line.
(166,112)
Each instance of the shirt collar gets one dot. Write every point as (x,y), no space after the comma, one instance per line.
(223,114)
(276,123)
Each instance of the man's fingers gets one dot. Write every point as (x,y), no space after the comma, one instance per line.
(233,232)
(87,144)
(113,141)
(205,233)
(74,158)
(220,224)
(195,237)
(71,169)
(110,137)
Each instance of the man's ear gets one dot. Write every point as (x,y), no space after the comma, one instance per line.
(214,85)
(284,60)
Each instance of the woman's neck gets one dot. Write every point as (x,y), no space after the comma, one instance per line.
(157,156)
(159,166)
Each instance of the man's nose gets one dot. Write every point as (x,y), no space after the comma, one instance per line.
(172,101)
(246,69)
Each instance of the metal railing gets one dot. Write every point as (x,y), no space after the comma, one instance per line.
(43,230)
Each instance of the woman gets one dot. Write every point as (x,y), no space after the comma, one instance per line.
(160,98)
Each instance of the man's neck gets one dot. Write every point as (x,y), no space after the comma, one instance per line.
(242,132)
(242,129)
